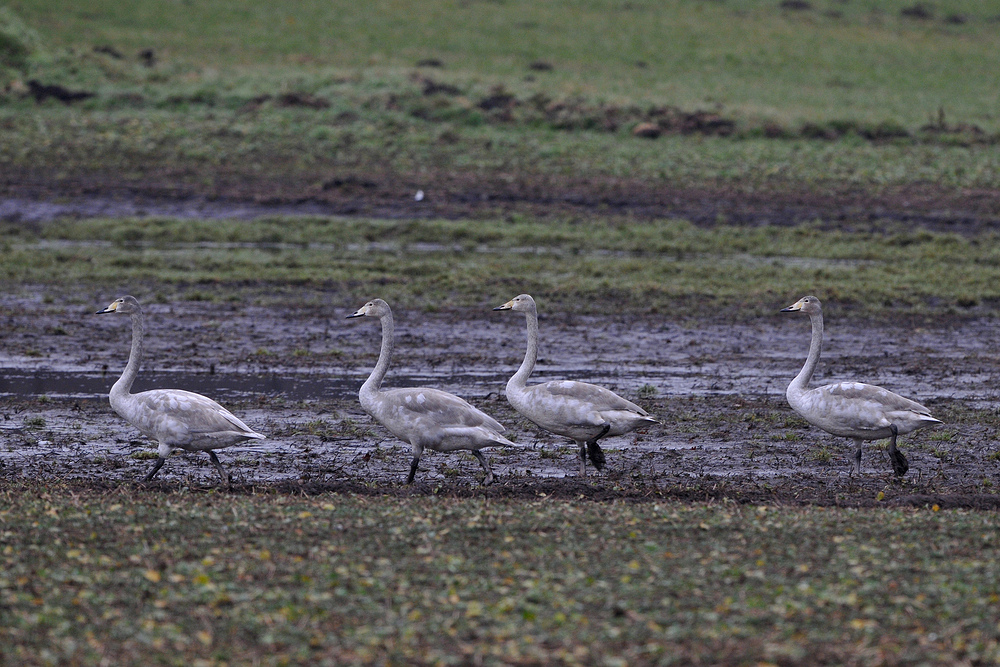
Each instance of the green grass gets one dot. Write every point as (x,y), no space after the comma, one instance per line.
(866,62)
(299,154)
(827,100)
(163,579)
(210,112)
(629,265)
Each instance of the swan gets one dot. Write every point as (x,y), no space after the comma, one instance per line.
(578,410)
(175,418)
(852,409)
(423,417)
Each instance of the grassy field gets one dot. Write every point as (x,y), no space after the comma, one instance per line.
(284,102)
(194,579)
(849,60)
(844,94)
(636,266)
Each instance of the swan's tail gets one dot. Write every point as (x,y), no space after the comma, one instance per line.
(500,440)
(474,437)
(923,420)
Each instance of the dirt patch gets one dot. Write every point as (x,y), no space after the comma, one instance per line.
(35,197)
(718,387)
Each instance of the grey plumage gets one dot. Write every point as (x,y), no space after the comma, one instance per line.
(852,409)
(578,410)
(174,418)
(426,418)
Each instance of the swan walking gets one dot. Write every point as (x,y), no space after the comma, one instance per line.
(175,418)
(852,409)
(578,410)
(425,418)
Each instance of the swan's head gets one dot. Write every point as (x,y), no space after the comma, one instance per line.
(522,303)
(125,304)
(374,308)
(807,304)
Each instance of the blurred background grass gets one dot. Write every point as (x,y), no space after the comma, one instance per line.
(285,102)
(858,60)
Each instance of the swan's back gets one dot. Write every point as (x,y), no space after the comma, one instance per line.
(593,396)
(574,409)
(428,414)
(182,419)
(858,410)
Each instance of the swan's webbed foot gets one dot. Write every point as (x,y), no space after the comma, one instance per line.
(413,469)
(226,479)
(856,469)
(594,450)
(488,479)
(596,454)
(156,468)
(899,463)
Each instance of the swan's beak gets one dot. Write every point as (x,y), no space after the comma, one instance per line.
(360,313)
(110,309)
(792,308)
(506,306)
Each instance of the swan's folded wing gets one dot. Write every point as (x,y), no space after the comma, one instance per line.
(887,400)
(199,414)
(442,407)
(597,397)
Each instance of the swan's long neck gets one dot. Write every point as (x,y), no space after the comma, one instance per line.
(798,385)
(520,378)
(369,389)
(123,386)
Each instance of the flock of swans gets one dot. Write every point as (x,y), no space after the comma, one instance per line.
(433,419)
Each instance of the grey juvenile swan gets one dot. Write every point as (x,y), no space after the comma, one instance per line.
(852,409)
(578,410)
(425,418)
(175,418)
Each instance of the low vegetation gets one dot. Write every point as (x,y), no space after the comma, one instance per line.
(824,95)
(631,265)
(278,103)
(206,579)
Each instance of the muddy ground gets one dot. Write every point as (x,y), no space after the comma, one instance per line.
(29,196)
(294,373)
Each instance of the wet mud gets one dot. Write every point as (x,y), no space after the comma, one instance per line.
(28,197)
(718,387)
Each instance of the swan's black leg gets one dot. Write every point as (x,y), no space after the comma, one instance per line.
(486,466)
(156,469)
(899,463)
(594,450)
(413,469)
(218,466)
(857,458)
